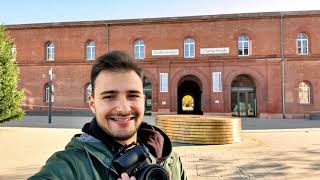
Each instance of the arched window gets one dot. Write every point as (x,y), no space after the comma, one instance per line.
(46,93)
(243,45)
(302,44)
(139,49)
(88,92)
(304,93)
(50,51)
(90,50)
(189,48)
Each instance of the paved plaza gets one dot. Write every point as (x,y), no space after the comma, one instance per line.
(271,149)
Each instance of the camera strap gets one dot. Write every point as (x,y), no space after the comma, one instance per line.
(152,159)
(123,149)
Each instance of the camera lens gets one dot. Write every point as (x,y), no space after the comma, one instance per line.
(154,172)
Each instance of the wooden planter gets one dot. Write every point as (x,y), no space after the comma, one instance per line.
(197,129)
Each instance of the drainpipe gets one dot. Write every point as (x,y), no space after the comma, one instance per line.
(282,68)
(107,37)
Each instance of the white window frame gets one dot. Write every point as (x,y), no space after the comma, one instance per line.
(140,53)
(50,51)
(164,82)
(304,92)
(242,45)
(88,92)
(216,82)
(90,50)
(47,93)
(188,43)
(301,38)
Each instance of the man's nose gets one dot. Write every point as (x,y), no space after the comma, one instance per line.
(123,106)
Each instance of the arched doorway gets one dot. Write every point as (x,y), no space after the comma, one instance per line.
(243,97)
(147,90)
(189,95)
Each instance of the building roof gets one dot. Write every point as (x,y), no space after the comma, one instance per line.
(170,19)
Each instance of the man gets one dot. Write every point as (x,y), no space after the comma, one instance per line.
(118,104)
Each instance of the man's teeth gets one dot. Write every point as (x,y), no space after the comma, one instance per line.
(122,119)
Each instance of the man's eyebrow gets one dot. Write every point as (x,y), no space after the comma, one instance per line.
(134,91)
(114,92)
(108,92)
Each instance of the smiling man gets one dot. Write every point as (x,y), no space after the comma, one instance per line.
(117,143)
(118,103)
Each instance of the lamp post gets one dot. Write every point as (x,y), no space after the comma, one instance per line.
(50,94)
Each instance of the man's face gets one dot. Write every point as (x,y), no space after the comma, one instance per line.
(118,104)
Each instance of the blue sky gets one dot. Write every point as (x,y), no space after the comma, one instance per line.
(43,11)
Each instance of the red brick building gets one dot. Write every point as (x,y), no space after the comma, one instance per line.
(257,64)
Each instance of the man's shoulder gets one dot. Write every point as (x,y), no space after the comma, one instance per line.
(172,158)
(75,149)
(174,166)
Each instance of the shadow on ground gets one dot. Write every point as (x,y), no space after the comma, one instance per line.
(20,172)
(298,163)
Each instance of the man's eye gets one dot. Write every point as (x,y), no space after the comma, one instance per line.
(133,96)
(107,97)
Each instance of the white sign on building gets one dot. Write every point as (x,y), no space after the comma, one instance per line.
(163,82)
(165,52)
(214,50)
(216,82)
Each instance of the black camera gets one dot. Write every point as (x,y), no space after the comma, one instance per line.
(137,162)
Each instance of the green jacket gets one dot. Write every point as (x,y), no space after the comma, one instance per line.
(86,157)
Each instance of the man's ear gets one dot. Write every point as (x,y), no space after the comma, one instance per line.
(91,104)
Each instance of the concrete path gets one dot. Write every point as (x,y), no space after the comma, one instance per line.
(271,149)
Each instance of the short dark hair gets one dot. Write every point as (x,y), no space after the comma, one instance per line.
(114,61)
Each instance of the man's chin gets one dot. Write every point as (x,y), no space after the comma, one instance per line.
(122,138)
(120,133)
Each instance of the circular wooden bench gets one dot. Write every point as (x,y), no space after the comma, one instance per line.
(197,129)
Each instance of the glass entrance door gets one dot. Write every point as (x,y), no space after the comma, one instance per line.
(243,97)
(251,100)
(243,103)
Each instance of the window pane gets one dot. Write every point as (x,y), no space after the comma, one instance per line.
(141,52)
(299,43)
(243,45)
(305,46)
(136,52)
(239,45)
(240,48)
(139,49)
(163,82)
(216,82)
(186,52)
(246,45)
(304,93)
(299,50)
(245,52)
(88,53)
(189,48)
(192,50)
(50,51)
(93,54)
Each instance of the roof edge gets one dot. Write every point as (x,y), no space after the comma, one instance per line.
(167,19)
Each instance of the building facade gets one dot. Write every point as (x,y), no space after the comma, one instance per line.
(255,65)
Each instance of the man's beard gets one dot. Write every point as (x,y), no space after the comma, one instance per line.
(122,138)
(119,137)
